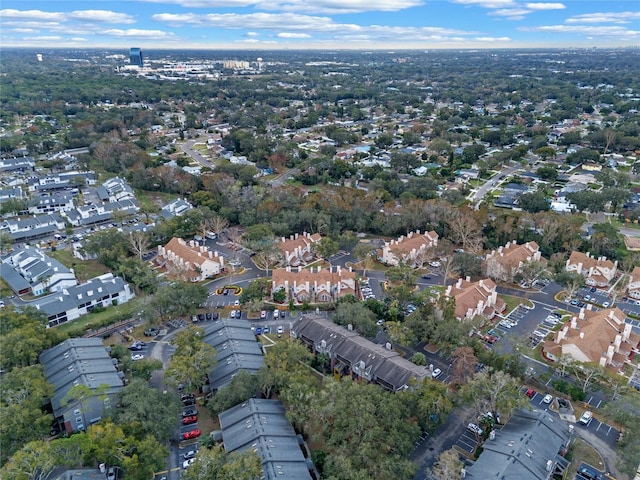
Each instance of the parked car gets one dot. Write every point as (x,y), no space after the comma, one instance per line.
(111,473)
(209,316)
(189,412)
(436,373)
(266,329)
(233,314)
(605,304)
(530,393)
(258,330)
(280,331)
(190,454)
(586,418)
(472,427)
(276,313)
(263,314)
(188,463)
(151,332)
(190,434)
(547,398)
(190,419)
(136,357)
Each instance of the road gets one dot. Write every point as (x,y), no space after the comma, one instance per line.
(278,181)
(492,182)
(187,148)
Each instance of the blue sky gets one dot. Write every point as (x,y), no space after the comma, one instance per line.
(323,24)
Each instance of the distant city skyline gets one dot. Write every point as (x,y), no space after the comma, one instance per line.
(318,24)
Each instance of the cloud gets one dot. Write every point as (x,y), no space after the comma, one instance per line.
(618,17)
(492,39)
(44,38)
(105,16)
(591,30)
(132,32)
(305,6)
(78,39)
(252,34)
(293,35)
(545,6)
(510,12)
(31,15)
(488,3)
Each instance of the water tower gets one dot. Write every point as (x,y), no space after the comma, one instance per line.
(259,64)
(39,57)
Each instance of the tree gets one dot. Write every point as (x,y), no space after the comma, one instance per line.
(548,173)
(463,362)
(465,230)
(493,391)
(531,271)
(587,373)
(533,202)
(21,393)
(192,360)
(430,402)
(571,281)
(244,385)
(447,467)
(326,248)
(147,410)
(81,393)
(178,298)
(625,411)
(364,253)
(215,464)
(267,258)
(256,290)
(139,243)
(587,200)
(605,240)
(466,264)
(34,461)
(419,358)
(360,317)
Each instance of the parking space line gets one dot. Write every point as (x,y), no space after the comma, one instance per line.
(600,424)
(608,431)
(589,401)
(598,406)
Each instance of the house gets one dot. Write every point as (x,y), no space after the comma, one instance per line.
(81,361)
(237,350)
(16,163)
(298,249)
(114,190)
(530,446)
(189,260)
(475,298)
(73,302)
(61,181)
(96,214)
(600,337)
(315,284)
(409,249)
(175,208)
(598,272)
(31,228)
(51,202)
(504,263)
(355,356)
(260,425)
(11,193)
(29,270)
(633,288)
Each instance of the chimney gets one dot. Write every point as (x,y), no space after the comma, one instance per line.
(574,323)
(459,283)
(581,314)
(589,307)
(581,334)
(480,282)
(468,278)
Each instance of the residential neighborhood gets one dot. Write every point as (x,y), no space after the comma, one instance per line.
(222,261)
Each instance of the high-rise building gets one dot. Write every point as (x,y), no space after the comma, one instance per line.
(135,57)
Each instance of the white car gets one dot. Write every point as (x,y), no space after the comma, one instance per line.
(434,264)
(475,429)
(280,331)
(190,454)
(547,398)
(436,373)
(586,417)
(188,463)
(137,356)
(276,313)
(605,304)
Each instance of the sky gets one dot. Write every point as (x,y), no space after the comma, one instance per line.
(318,24)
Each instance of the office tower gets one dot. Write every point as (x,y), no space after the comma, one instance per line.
(135,57)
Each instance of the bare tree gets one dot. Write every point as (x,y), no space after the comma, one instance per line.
(139,243)
(447,467)
(463,363)
(217,224)
(465,230)
(587,373)
(267,258)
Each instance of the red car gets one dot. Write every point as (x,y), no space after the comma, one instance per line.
(530,393)
(190,420)
(191,434)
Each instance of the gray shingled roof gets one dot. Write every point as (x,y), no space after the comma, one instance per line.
(522,448)
(79,361)
(237,350)
(261,425)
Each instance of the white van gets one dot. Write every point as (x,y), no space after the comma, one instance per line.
(276,313)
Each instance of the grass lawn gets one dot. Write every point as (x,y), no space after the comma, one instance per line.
(581,452)
(512,302)
(106,317)
(84,269)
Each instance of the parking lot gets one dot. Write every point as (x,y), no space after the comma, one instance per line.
(467,442)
